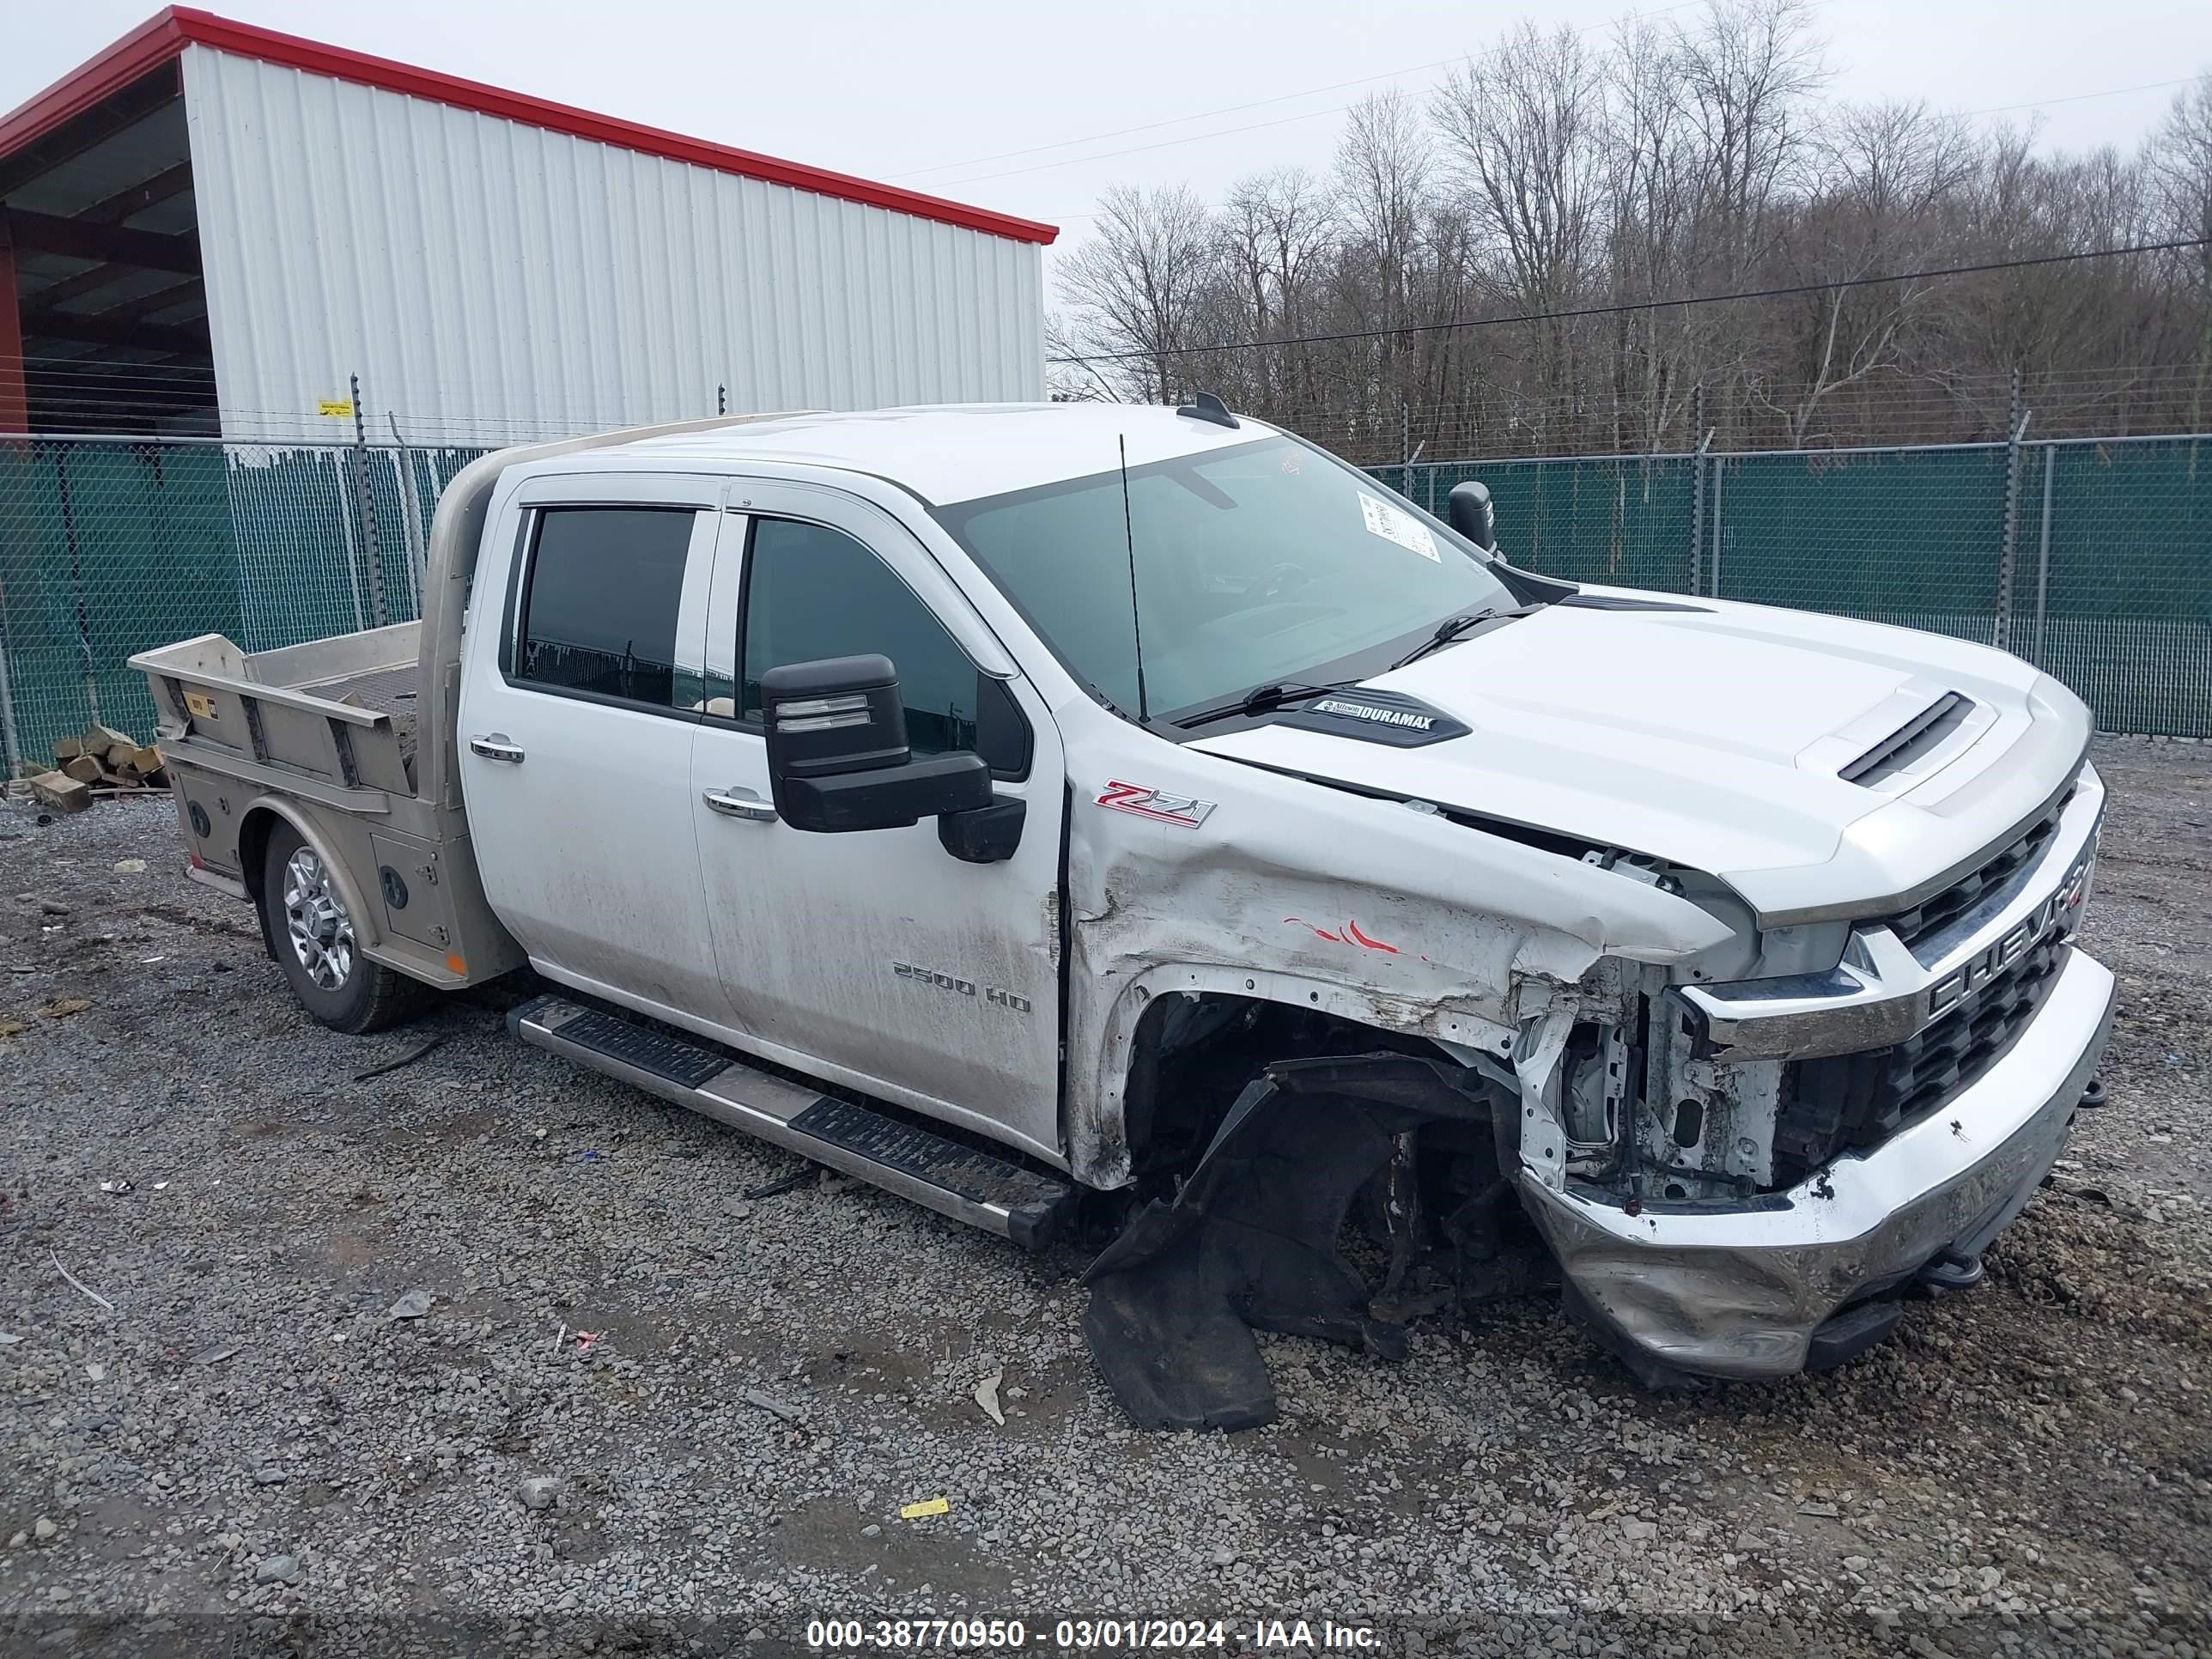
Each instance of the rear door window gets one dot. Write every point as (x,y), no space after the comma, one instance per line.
(601,604)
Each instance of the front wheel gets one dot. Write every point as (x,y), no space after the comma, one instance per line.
(311,931)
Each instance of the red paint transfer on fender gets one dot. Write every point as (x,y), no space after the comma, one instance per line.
(1350,935)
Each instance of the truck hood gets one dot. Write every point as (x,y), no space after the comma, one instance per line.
(1713,735)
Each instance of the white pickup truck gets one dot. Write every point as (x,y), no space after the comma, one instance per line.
(1135,826)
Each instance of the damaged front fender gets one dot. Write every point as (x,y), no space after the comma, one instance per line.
(1290,890)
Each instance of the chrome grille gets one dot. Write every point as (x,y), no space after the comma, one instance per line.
(1841,1102)
(1932,914)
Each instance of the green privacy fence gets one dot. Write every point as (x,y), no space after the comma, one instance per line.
(2091,558)
(109,548)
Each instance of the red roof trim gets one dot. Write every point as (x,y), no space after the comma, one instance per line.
(166,35)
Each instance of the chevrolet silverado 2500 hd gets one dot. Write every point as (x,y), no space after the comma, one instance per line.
(1139,821)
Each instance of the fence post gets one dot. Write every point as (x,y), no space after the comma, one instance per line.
(13,759)
(76,581)
(2016,430)
(1713,575)
(1698,498)
(1405,448)
(410,513)
(2042,548)
(365,499)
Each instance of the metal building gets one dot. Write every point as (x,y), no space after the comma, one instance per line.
(213,228)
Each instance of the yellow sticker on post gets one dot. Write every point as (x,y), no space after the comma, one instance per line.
(200,704)
(927,1506)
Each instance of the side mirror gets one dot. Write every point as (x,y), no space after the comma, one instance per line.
(1468,509)
(837,757)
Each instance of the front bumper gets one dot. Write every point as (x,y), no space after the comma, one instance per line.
(1739,1290)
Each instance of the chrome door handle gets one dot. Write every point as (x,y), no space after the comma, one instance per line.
(496,747)
(739,803)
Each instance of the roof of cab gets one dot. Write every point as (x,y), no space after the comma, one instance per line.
(958,451)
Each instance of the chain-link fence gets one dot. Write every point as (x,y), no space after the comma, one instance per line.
(2091,558)
(108,548)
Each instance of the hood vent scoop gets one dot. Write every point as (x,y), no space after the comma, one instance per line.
(1923,734)
(1384,717)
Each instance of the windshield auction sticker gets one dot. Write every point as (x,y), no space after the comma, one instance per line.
(1395,524)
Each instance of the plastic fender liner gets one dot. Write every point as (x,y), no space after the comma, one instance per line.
(1250,1241)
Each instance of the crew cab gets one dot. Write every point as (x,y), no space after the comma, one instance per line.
(1137,827)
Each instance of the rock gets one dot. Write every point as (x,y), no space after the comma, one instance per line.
(872,1531)
(215,1353)
(1224,1557)
(52,907)
(129,866)
(270,1476)
(58,1593)
(413,1305)
(774,1407)
(1637,1532)
(43,1529)
(1856,1563)
(18,1540)
(986,1396)
(277,1569)
(738,1209)
(539,1491)
(1748,1543)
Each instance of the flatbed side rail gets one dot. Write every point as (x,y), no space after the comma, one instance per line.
(218,714)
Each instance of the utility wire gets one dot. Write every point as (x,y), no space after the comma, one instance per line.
(1257,103)
(1634,305)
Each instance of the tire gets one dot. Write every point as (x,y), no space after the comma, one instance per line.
(312,936)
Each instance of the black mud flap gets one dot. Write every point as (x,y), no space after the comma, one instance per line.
(1250,1241)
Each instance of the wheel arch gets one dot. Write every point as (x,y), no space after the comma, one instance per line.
(258,823)
(1109,1141)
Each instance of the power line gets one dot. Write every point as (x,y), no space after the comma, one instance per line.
(2079,97)
(1238,109)
(1633,305)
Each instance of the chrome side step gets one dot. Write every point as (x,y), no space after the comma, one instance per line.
(979,1188)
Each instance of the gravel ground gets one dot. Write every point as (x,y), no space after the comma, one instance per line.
(250,1431)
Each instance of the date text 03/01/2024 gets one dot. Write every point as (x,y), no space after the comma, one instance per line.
(1090,1635)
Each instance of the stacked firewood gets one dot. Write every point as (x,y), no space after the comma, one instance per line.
(96,764)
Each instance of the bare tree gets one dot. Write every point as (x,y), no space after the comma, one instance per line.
(1581,185)
(2178,159)
(1523,126)
(1140,285)
(1877,210)
(1749,73)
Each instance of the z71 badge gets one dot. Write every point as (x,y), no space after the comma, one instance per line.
(1155,804)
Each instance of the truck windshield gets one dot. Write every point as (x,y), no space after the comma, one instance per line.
(1254,564)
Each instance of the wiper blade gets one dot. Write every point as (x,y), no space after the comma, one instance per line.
(1452,627)
(1262,699)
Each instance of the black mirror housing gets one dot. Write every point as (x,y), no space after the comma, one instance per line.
(884,797)
(1468,509)
(837,755)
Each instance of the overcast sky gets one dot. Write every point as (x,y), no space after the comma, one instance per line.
(899,91)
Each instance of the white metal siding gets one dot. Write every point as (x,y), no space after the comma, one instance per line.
(491,282)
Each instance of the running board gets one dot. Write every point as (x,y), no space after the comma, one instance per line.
(941,1174)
